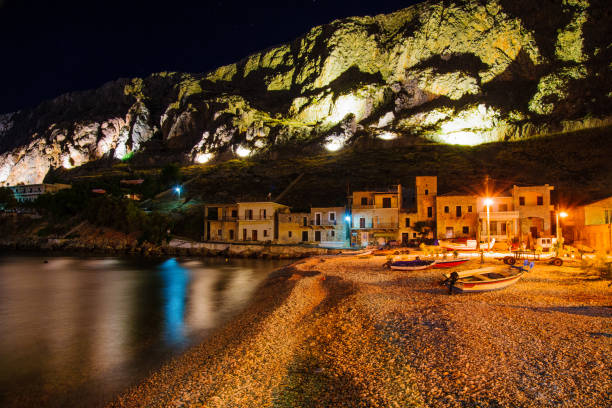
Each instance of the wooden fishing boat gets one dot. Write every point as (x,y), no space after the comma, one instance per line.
(450,263)
(416,265)
(486,279)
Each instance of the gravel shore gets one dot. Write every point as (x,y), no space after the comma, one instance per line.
(344,332)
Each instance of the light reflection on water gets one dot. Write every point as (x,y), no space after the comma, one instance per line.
(77,331)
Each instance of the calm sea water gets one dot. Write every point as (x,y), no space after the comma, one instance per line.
(78,331)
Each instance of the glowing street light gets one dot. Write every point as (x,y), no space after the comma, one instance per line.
(488,202)
(178,190)
(347,218)
(559,214)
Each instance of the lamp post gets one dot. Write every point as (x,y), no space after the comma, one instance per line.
(561,214)
(488,202)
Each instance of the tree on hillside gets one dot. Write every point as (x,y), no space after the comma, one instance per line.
(7,198)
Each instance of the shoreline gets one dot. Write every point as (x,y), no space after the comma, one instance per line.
(341,331)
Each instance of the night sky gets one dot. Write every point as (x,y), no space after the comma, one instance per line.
(52,47)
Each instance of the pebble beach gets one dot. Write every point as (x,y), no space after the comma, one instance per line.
(345,332)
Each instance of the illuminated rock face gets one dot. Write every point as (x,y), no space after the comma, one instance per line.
(461,72)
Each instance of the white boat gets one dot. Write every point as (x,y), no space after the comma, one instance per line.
(486,279)
(468,245)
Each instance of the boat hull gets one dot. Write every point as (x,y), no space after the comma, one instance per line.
(486,279)
(468,287)
(449,264)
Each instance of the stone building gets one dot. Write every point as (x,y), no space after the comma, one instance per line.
(375,216)
(31,192)
(590,225)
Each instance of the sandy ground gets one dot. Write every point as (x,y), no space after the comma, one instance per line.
(344,332)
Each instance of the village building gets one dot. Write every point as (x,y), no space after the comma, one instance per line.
(375,216)
(258,221)
(31,192)
(220,222)
(457,216)
(590,225)
(294,228)
(329,226)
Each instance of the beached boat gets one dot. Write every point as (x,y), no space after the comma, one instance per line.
(415,265)
(450,263)
(486,279)
(466,245)
(355,252)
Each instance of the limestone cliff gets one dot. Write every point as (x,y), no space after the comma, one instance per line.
(463,72)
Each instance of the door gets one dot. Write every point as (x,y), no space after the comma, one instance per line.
(254,235)
(405,238)
(304,236)
(231,235)
(362,223)
(244,234)
(534,232)
(318,236)
(208,230)
(318,219)
(449,232)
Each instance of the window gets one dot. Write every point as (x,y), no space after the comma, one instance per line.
(469,208)
(502,228)
(332,233)
(414,235)
(317,218)
(407,222)
(386,202)
(290,234)
(540,200)
(466,230)
(318,236)
(263,214)
(429,212)
(305,221)
(426,192)
(446,209)
(244,234)
(220,233)
(608,218)
(503,207)
(362,223)
(231,234)
(521,200)
(364,201)
(234,213)
(248,214)
(332,216)
(458,211)
(265,233)
(304,236)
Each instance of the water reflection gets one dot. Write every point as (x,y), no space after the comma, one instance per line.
(175,279)
(75,332)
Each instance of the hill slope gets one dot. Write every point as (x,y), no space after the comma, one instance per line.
(459,72)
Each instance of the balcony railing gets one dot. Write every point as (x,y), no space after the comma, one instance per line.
(379,225)
(499,215)
(255,218)
(324,223)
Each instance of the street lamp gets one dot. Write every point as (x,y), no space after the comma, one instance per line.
(558,214)
(488,202)
(178,191)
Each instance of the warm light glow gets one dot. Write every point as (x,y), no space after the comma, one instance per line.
(387,136)
(488,202)
(563,214)
(469,127)
(66,163)
(202,158)
(344,105)
(334,145)
(243,151)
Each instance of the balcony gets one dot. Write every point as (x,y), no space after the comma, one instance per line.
(323,223)
(255,218)
(379,225)
(499,215)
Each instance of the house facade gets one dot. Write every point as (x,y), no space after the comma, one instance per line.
(294,228)
(375,216)
(590,225)
(457,216)
(220,222)
(258,221)
(329,228)
(30,192)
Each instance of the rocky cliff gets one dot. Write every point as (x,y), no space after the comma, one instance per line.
(460,72)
